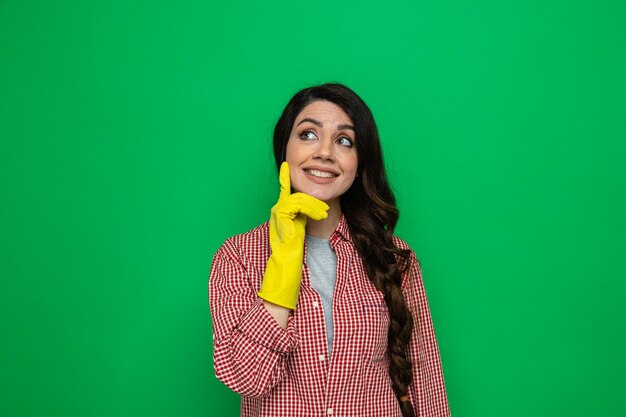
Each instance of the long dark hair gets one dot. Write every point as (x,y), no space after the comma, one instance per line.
(370,210)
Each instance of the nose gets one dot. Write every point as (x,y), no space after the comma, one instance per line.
(324,149)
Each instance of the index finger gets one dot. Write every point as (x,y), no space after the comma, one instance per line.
(284,179)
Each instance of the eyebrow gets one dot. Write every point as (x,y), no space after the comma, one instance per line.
(319,124)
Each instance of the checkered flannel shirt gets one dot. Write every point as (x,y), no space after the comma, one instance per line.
(287,372)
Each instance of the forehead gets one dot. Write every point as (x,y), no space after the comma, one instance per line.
(325,112)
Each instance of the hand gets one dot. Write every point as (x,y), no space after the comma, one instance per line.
(281,282)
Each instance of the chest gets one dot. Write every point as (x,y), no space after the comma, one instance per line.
(359,314)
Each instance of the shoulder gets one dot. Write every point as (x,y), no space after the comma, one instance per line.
(412,271)
(239,262)
(249,242)
(254,236)
(240,256)
(401,244)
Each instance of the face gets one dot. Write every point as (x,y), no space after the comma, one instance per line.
(321,152)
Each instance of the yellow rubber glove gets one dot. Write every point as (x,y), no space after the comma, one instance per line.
(281,282)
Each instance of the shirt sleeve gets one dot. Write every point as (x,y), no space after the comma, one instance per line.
(249,347)
(427,392)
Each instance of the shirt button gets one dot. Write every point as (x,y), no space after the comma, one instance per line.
(322,357)
(316,304)
(329,411)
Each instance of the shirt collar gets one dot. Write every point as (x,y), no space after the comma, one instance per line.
(342,231)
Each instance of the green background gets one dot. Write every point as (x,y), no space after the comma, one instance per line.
(135,138)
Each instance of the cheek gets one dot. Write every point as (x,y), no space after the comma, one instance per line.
(353,165)
(288,151)
(350,176)
(291,152)
(293,158)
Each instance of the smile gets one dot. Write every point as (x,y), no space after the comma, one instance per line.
(320,174)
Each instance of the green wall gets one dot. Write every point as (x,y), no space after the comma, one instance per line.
(135,138)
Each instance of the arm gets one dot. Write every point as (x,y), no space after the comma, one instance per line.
(279,313)
(253,332)
(249,346)
(427,392)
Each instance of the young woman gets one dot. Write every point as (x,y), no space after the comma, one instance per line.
(321,311)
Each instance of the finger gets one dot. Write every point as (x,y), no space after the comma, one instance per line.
(310,206)
(294,204)
(284,179)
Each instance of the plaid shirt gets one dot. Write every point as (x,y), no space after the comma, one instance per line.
(286,372)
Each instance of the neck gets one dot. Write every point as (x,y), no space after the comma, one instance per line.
(325,228)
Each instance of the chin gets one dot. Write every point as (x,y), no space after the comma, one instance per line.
(320,195)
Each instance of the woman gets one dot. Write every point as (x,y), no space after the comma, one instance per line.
(321,311)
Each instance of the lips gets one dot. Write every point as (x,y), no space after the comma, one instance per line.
(320,174)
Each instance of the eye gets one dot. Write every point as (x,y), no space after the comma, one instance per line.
(308,135)
(345,141)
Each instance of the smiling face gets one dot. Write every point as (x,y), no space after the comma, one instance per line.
(321,152)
